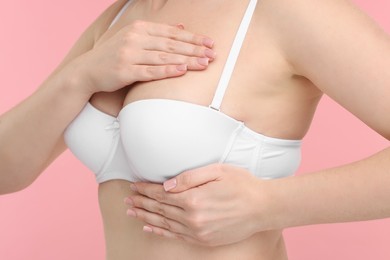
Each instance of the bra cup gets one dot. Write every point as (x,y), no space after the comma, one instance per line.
(88,139)
(163,138)
(278,161)
(244,152)
(263,156)
(117,167)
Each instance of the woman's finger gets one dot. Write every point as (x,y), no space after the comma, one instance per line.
(148,73)
(163,58)
(154,43)
(156,192)
(153,206)
(172,32)
(168,234)
(194,178)
(158,221)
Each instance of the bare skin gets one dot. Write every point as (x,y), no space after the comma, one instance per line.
(288,60)
(255,90)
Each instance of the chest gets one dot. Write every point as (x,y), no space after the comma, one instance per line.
(219,20)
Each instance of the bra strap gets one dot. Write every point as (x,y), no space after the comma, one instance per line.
(123,9)
(233,55)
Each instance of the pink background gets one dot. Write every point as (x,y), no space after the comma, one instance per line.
(58,216)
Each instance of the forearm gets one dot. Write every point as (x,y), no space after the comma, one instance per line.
(354,192)
(31,131)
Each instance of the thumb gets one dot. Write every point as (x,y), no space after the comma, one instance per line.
(193,178)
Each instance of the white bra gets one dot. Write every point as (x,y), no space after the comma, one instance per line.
(156,139)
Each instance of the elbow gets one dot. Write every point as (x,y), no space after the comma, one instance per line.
(16,174)
(12,187)
(11,182)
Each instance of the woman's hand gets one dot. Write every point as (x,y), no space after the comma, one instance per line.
(142,51)
(213,205)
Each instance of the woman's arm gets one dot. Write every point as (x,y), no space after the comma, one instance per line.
(354,192)
(31,134)
(346,55)
(343,52)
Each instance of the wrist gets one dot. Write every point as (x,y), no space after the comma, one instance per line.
(67,85)
(73,80)
(272,211)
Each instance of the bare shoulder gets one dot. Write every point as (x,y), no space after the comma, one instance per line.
(341,50)
(105,19)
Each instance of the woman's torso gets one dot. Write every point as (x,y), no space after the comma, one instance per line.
(263,92)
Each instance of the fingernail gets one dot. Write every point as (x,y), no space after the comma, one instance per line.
(170,184)
(203,61)
(131,213)
(208,42)
(182,67)
(129,201)
(210,53)
(180,26)
(147,229)
(133,187)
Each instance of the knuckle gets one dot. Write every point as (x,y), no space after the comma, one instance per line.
(193,63)
(163,57)
(150,72)
(196,222)
(129,32)
(124,75)
(139,214)
(198,51)
(138,24)
(158,231)
(203,237)
(160,210)
(171,45)
(129,74)
(182,238)
(157,72)
(174,32)
(146,218)
(185,179)
(160,196)
(206,238)
(137,201)
(165,224)
(192,203)
(129,37)
(197,39)
(167,71)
